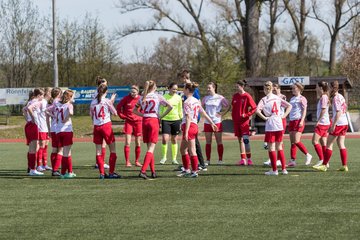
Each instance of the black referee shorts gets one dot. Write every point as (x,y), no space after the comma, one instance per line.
(170,127)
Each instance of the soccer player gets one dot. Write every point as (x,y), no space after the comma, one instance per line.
(170,124)
(56,94)
(100,110)
(44,125)
(243,107)
(150,103)
(214,103)
(133,124)
(338,129)
(64,132)
(31,128)
(274,130)
(297,123)
(323,121)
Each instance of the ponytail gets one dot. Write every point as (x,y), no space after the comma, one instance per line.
(55,92)
(149,86)
(67,95)
(101,91)
(334,89)
(191,86)
(215,86)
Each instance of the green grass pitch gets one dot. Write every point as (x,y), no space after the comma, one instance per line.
(227,202)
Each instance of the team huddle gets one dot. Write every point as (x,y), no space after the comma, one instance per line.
(48,115)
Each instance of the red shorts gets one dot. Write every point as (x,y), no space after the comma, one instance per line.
(54,140)
(64,139)
(43,136)
(271,137)
(31,132)
(284,125)
(294,126)
(150,130)
(193,131)
(103,132)
(208,127)
(241,128)
(340,131)
(134,128)
(322,130)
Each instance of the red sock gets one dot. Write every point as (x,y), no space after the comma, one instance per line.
(57,162)
(272,156)
(147,161)
(194,163)
(53,159)
(45,155)
(152,164)
(327,156)
(39,157)
(323,149)
(293,150)
(112,162)
(100,163)
(343,156)
(243,156)
(248,155)
(319,151)
(64,165)
(32,160)
(137,153)
(70,167)
(127,153)
(281,157)
(220,149)
(302,147)
(186,161)
(208,151)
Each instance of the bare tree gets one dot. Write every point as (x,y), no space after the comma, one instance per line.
(345,12)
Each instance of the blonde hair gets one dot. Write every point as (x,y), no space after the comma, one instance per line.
(67,95)
(149,86)
(299,86)
(268,86)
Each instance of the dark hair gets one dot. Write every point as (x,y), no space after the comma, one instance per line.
(184,73)
(324,86)
(299,86)
(149,85)
(67,95)
(31,95)
(55,92)
(101,91)
(334,89)
(100,80)
(242,82)
(191,86)
(276,85)
(171,85)
(38,91)
(215,86)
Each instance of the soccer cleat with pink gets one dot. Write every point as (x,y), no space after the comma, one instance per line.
(284,172)
(128,164)
(137,164)
(242,162)
(272,173)
(291,163)
(250,163)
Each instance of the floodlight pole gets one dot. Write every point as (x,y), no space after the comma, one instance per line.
(55,62)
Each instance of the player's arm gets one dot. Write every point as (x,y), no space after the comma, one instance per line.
(304,107)
(225,107)
(252,106)
(259,109)
(168,108)
(215,128)
(288,108)
(180,108)
(136,110)
(112,108)
(30,110)
(187,126)
(70,113)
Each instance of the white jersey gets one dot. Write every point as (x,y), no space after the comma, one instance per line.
(271,106)
(52,109)
(323,103)
(151,105)
(63,111)
(339,104)
(299,104)
(101,112)
(35,106)
(43,127)
(282,109)
(191,107)
(213,105)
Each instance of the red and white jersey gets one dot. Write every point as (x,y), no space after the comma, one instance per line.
(63,111)
(282,109)
(52,109)
(101,112)
(151,105)
(35,105)
(191,107)
(43,127)
(323,103)
(270,105)
(299,104)
(213,105)
(339,104)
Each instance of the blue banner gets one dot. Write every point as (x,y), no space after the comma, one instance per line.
(84,95)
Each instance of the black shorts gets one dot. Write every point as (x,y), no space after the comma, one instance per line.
(170,127)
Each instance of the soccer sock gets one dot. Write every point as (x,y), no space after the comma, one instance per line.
(243,155)
(147,161)
(194,163)
(248,155)
(164,149)
(31,160)
(272,156)
(343,156)
(45,155)
(302,147)
(100,163)
(293,150)
(103,153)
(39,157)
(281,157)
(323,149)
(186,161)
(57,162)
(208,151)
(174,150)
(70,166)
(152,164)
(112,162)
(127,153)
(137,153)
(64,164)
(319,151)
(327,156)
(220,149)
(53,159)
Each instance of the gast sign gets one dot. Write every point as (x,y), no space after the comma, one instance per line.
(288,81)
